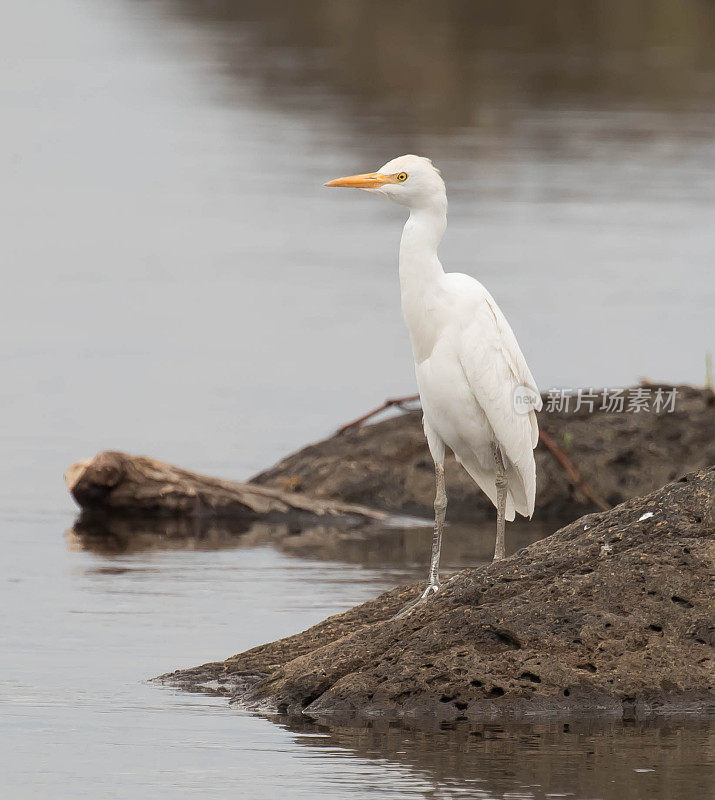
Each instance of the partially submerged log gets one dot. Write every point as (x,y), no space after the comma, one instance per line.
(114,482)
(612,615)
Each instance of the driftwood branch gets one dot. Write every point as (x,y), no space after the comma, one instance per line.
(549,443)
(397,402)
(120,483)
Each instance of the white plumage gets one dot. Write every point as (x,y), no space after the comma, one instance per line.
(467,378)
(478,395)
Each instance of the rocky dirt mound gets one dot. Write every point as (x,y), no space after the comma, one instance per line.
(610,615)
(619,455)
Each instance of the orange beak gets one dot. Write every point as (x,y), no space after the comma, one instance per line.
(368,180)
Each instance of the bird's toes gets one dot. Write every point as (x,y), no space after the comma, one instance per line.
(433,588)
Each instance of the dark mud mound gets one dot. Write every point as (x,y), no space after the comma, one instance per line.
(618,455)
(611,615)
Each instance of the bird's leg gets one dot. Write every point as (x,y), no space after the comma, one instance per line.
(440,511)
(501,484)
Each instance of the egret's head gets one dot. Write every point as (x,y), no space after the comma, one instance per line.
(409,180)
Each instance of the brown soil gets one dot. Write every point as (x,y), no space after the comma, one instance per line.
(611,615)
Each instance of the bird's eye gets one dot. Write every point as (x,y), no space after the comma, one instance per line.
(401,176)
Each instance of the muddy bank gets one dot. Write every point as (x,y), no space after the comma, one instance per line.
(618,455)
(611,615)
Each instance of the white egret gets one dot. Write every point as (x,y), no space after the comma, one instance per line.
(478,395)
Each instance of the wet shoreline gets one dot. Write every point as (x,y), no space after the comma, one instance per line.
(608,617)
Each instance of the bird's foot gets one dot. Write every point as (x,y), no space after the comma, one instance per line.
(432,588)
(499,549)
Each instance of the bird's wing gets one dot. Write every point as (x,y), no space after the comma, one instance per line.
(511,351)
(496,330)
(494,367)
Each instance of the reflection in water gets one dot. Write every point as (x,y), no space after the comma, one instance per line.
(581,759)
(372,546)
(119,535)
(442,67)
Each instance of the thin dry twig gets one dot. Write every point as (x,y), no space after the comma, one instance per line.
(397,402)
(570,470)
(548,441)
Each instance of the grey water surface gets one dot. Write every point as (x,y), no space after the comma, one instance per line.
(176,282)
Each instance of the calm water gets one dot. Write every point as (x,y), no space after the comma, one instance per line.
(176,282)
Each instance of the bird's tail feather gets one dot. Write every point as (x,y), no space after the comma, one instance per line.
(486,481)
(518,497)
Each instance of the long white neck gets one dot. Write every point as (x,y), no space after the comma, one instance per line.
(420,273)
(423,231)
